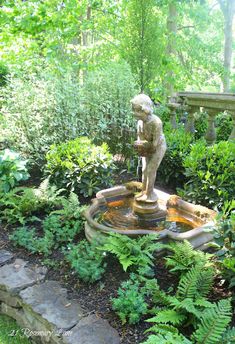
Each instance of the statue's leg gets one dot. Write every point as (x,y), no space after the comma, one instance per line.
(160,154)
(152,168)
(151,176)
(144,172)
(142,195)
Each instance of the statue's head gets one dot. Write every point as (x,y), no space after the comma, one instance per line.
(142,106)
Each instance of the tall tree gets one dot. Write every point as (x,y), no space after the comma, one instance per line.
(141,41)
(171,43)
(228,9)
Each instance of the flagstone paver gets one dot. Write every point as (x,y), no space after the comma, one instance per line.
(5,257)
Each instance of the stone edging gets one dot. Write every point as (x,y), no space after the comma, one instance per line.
(42,309)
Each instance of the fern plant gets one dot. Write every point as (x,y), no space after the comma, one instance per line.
(214,322)
(186,306)
(131,252)
(196,283)
(19,204)
(71,208)
(211,327)
(167,338)
(48,194)
(183,257)
(229,336)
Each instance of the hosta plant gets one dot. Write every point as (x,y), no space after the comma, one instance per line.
(12,170)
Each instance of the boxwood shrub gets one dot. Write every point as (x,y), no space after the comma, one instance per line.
(80,166)
(211,174)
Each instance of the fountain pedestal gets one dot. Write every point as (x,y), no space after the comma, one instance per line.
(149,209)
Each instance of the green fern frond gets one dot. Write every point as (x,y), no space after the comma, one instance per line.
(196,282)
(162,329)
(213,323)
(184,257)
(168,316)
(229,336)
(205,281)
(186,305)
(168,338)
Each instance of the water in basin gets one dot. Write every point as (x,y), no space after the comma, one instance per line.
(118,214)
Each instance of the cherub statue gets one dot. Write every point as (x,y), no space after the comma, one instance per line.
(150,145)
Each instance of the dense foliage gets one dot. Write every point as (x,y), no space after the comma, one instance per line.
(210,171)
(132,252)
(224,237)
(86,260)
(107,115)
(68,71)
(40,109)
(172,171)
(80,166)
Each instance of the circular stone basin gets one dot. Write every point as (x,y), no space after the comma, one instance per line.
(111,212)
(117,213)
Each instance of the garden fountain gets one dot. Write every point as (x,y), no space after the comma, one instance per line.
(123,210)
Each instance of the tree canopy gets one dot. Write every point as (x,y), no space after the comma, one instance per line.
(165,42)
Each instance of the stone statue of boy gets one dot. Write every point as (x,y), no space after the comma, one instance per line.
(150,145)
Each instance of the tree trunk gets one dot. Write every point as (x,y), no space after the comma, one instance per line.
(228,9)
(170,50)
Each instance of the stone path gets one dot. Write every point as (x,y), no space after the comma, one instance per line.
(42,309)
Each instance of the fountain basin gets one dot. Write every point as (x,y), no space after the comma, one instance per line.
(111,211)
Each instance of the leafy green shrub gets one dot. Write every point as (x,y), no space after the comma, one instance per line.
(224,237)
(171,170)
(80,166)
(137,252)
(201,124)
(12,170)
(163,112)
(86,260)
(130,304)
(58,227)
(210,171)
(224,125)
(41,109)
(107,114)
(26,237)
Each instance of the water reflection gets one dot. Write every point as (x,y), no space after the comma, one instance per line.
(118,214)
